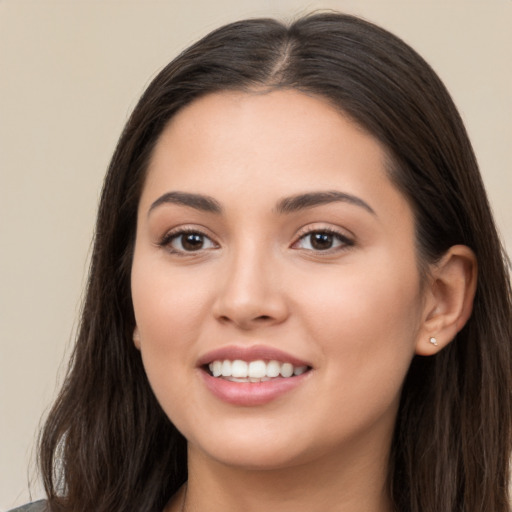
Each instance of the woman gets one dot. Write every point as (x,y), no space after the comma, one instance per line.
(297,297)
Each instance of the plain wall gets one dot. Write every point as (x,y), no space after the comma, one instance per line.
(70,73)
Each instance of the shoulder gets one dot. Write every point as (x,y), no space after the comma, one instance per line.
(36,506)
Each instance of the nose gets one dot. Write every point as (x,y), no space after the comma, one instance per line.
(251,292)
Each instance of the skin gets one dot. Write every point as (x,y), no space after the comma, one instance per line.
(357,312)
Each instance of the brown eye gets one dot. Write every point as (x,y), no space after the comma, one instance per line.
(192,242)
(322,241)
(189,242)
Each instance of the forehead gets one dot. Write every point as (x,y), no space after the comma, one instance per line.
(264,120)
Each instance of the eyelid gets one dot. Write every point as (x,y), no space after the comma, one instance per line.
(324,226)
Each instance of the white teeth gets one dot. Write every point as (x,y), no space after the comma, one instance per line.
(299,370)
(239,369)
(216,368)
(286,370)
(257,369)
(273,368)
(226,368)
(254,371)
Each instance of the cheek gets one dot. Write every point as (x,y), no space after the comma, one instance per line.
(362,299)
(169,311)
(365,320)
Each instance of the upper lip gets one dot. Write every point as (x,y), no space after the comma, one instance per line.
(253,353)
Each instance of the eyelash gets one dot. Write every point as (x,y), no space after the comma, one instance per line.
(344,241)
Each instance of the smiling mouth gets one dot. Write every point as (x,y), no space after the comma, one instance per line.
(253,371)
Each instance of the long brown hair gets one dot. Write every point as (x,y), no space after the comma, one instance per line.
(108,446)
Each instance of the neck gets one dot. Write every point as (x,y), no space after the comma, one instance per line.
(338,483)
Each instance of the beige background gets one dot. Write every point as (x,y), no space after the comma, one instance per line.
(71,71)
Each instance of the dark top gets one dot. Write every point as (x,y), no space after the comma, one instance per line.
(36,506)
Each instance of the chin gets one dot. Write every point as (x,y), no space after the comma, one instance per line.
(254,457)
(265,447)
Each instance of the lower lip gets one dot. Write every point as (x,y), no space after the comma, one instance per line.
(251,393)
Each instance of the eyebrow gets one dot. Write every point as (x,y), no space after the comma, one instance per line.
(197,201)
(312,199)
(284,206)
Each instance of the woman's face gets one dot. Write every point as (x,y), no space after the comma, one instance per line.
(269,234)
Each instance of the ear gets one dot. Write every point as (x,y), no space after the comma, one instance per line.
(136,338)
(448,299)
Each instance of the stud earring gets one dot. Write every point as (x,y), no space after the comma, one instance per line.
(433,341)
